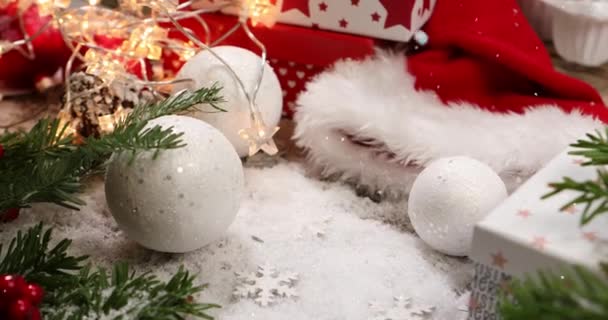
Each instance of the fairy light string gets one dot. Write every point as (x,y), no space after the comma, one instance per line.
(139,30)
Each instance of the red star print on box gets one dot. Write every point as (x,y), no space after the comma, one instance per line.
(301,5)
(343,23)
(539,242)
(499,260)
(524,213)
(323,6)
(395,12)
(375,17)
(590,235)
(570,209)
(578,161)
(354,3)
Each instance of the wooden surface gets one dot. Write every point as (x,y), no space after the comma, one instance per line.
(597,77)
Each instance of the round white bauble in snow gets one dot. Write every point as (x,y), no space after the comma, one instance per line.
(448,198)
(205,70)
(184,198)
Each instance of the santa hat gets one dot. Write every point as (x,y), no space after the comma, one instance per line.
(483,87)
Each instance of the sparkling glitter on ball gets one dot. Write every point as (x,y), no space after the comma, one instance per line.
(195,207)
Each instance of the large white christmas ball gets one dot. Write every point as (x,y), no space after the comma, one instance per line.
(205,70)
(184,198)
(448,198)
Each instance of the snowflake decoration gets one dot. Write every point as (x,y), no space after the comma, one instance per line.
(402,309)
(318,228)
(266,285)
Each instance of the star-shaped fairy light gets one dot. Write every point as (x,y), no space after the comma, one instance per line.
(259,136)
(262,11)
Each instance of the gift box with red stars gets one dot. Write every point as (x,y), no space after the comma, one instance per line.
(526,234)
(395,20)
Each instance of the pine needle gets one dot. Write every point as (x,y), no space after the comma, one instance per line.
(572,294)
(44,165)
(74,291)
(594,148)
(591,194)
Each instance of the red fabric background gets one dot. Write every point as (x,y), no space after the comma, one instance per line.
(485,52)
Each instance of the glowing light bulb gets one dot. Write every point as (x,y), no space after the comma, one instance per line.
(261,11)
(187,53)
(66,124)
(47,7)
(144,42)
(259,136)
(105,66)
(106,123)
(121,114)
(63,4)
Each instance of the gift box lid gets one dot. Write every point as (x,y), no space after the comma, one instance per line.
(287,42)
(525,233)
(395,20)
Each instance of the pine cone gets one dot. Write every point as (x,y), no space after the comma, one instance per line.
(91,99)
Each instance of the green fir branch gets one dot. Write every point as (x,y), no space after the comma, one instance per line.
(572,294)
(74,291)
(594,148)
(30,255)
(592,194)
(576,293)
(43,165)
(122,294)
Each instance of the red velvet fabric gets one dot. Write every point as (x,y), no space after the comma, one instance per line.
(486,53)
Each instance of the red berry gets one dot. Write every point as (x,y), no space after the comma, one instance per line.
(11,287)
(1,151)
(34,293)
(20,309)
(9,215)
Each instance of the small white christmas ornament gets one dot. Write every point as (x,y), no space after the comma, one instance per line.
(184,198)
(205,69)
(448,198)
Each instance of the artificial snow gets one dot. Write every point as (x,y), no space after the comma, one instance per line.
(402,308)
(266,285)
(348,251)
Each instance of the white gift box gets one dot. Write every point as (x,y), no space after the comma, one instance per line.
(382,19)
(525,234)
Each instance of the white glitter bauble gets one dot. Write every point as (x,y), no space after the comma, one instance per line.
(449,197)
(205,70)
(183,199)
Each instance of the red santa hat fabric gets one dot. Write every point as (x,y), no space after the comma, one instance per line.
(486,53)
(483,87)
